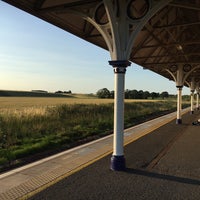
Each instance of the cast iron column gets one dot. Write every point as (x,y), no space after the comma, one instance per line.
(179,104)
(197,104)
(117,159)
(192,102)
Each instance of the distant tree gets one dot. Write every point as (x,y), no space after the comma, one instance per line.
(146,95)
(103,93)
(68,92)
(134,94)
(140,94)
(112,94)
(164,95)
(154,95)
(127,94)
(59,92)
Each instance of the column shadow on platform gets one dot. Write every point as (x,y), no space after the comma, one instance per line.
(163,176)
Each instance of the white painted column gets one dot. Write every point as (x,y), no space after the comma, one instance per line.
(197,103)
(192,102)
(117,159)
(179,86)
(118,114)
(192,89)
(179,105)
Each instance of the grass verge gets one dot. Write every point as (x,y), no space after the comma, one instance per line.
(27,137)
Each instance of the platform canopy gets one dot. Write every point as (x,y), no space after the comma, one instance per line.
(169,38)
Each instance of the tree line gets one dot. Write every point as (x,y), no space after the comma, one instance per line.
(134,94)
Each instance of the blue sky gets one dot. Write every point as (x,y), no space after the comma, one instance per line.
(37,55)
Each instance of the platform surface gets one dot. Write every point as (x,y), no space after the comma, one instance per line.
(162,159)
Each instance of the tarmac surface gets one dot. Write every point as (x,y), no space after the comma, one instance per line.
(162,159)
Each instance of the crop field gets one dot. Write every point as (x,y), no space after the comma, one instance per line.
(38,105)
(23,102)
(30,126)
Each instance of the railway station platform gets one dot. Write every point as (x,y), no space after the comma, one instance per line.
(162,160)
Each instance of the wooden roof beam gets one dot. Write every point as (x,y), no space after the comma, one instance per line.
(67,5)
(162,56)
(167,63)
(39,4)
(187,6)
(177,25)
(172,44)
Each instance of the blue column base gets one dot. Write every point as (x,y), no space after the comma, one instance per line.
(118,163)
(191,112)
(178,121)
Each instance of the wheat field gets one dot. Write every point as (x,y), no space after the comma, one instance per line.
(38,105)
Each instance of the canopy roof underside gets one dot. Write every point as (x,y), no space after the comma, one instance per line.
(171,37)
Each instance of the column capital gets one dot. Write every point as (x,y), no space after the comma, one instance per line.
(179,87)
(120,65)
